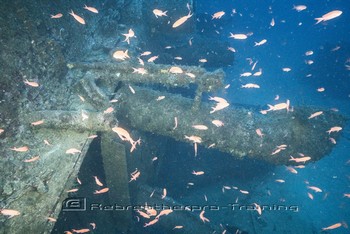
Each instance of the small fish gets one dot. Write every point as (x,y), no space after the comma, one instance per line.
(315,114)
(286,69)
(83,230)
(8,212)
(231,49)
(190,75)
(72,190)
(37,122)
(201,216)
(292,170)
(78,180)
(57,16)
(121,55)
(197,173)
(131,89)
(309,52)
(33,159)
(92,9)
(151,223)
(334,129)
(334,226)
(299,8)
(129,35)
(77,17)
(164,193)
(260,42)
(238,36)
(178,227)
(176,70)
(280,181)
(259,132)
(50,219)
(152,59)
(320,89)
(81,98)
(175,121)
(245,74)
(329,16)
(218,15)
(250,85)
(104,190)
(46,142)
(159,13)
(316,189)
(333,140)
(178,58)
(182,20)
(72,151)
(310,196)
(302,159)
(1,130)
(244,191)
(203,60)
(143,214)
(160,98)
(145,53)
(217,123)
(20,149)
(258,208)
(272,23)
(31,83)
(92,136)
(108,110)
(97,181)
(200,127)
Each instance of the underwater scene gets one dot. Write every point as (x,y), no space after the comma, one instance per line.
(187,116)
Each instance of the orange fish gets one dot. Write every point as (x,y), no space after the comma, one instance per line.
(77,17)
(259,132)
(20,149)
(218,15)
(31,83)
(129,35)
(176,70)
(31,159)
(164,193)
(135,175)
(200,127)
(238,36)
(37,122)
(150,223)
(51,219)
(159,13)
(84,230)
(316,189)
(97,181)
(57,16)
(292,170)
(334,226)
(152,59)
(72,190)
(217,123)
(320,89)
(143,214)
(328,16)
(92,9)
(280,181)
(204,219)
(299,8)
(108,110)
(10,213)
(310,196)
(72,151)
(250,85)
(182,20)
(198,173)
(164,212)
(334,129)
(104,190)
(178,227)
(302,159)
(121,55)
(1,130)
(315,114)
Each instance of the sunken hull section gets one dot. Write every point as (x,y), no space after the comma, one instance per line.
(238,135)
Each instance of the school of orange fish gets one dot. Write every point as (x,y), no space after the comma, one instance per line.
(221,103)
